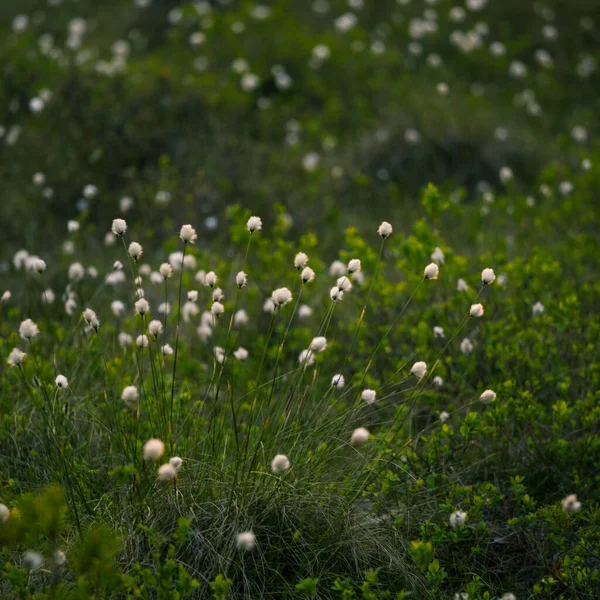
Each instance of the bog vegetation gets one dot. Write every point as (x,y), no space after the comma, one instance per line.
(299,299)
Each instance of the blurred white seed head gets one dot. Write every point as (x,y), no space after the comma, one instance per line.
(254,224)
(368,396)
(487,396)
(476,310)
(129,394)
(188,234)
(61,382)
(384,230)
(466,346)
(335,293)
(318,344)
(217,309)
(5,297)
(241,279)
(119,227)
(538,309)
(166,350)
(166,270)
(28,330)
(135,251)
(337,268)
(344,283)
(155,328)
(124,339)
(16,357)
(280,463)
(39,265)
(419,369)
(192,295)
(300,260)
(4,513)
(457,519)
(176,462)
(142,341)
(307,275)
(211,279)
(153,449)
(240,317)
(245,540)
(438,332)
(142,307)
(487,276)
(359,436)
(306,358)
(354,266)
(304,311)
(167,472)
(281,296)
(570,503)
(241,353)
(431,271)
(338,381)
(444,416)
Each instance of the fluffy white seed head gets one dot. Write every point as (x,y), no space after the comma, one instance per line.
(16,357)
(431,271)
(117,307)
(166,270)
(304,311)
(188,234)
(343,283)
(438,256)
(129,394)
(211,279)
(142,341)
(354,266)
(337,268)
(570,503)
(135,251)
(4,513)
(254,224)
(5,297)
(176,462)
(359,436)
(438,332)
(476,310)
(142,307)
(166,350)
(153,449)
(438,381)
(281,296)
(462,286)
(384,230)
(368,396)
(167,472)
(466,346)
(300,260)
(119,226)
(307,275)
(306,358)
(192,295)
(335,293)
(39,265)
(444,416)
(240,318)
(28,330)
(487,396)
(241,353)
(155,328)
(538,309)
(318,344)
(419,369)
(245,541)
(124,339)
(61,382)
(241,279)
(338,381)
(457,519)
(487,276)
(280,463)
(217,309)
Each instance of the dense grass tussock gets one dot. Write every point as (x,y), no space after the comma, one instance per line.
(225,375)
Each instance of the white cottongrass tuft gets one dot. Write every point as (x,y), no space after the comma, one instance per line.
(117,307)
(338,381)
(130,394)
(33,560)
(538,309)
(438,381)
(508,596)
(217,309)
(142,307)
(457,519)
(4,513)
(476,310)
(385,230)
(462,286)
(488,276)
(153,449)
(431,271)
(124,339)
(241,353)
(166,270)
(281,296)
(487,396)
(210,279)
(570,503)
(16,357)
(306,358)
(176,462)
(280,463)
(167,472)
(359,436)
(354,266)
(28,330)
(241,279)
(39,265)
(119,226)
(254,224)
(218,295)
(438,256)
(337,268)
(240,318)
(444,416)
(61,382)
(419,369)
(300,260)
(318,344)
(335,293)
(166,350)
(245,540)
(304,311)
(142,341)
(188,234)
(466,346)
(344,284)
(368,396)
(307,275)
(135,251)
(438,332)
(155,328)
(5,297)
(76,272)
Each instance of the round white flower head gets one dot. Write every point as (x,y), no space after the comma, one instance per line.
(129,394)
(337,268)
(5,297)
(359,436)
(280,463)
(241,279)
(254,224)
(61,382)
(4,513)
(538,309)
(176,462)
(240,318)
(241,353)
(28,330)
(476,310)
(268,306)
(368,396)
(344,284)
(444,416)
(338,381)
(281,296)
(354,266)
(16,357)
(135,251)
(508,596)
(219,355)
(419,369)
(142,307)
(304,311)
(466,346)
(33,560)
(39,265)
(318,344)
(570,503)
(188,234)
(89,315)
(48,296)
(153,449)
(218,295)
(124,339)
(457,519)
(306,358)
(335,293)
(76,271)
(217,309)
(300,260)
(438,332)
(167,472)
(166,350)
(72,226)
(384,230)
(117,307)
(245,540)
(192,295)
(119,227)
(487,396)
(155,328)
(438,255)
(438,381)
(487,276)
(462,286)
(211,279)
(142,341)
(166,270)
(307,275)
(431,271)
